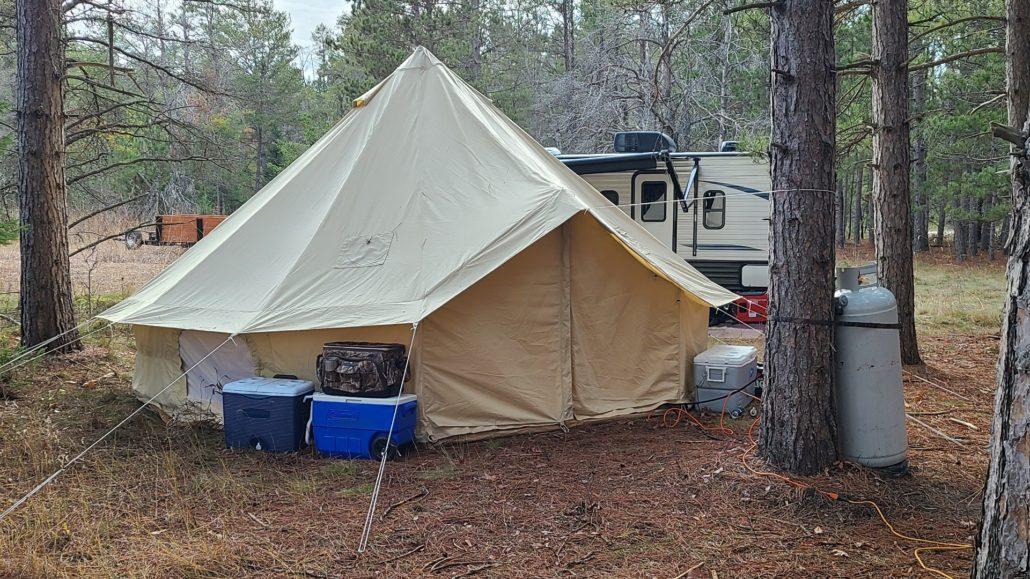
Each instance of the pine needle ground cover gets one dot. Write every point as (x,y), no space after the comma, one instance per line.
(630,498)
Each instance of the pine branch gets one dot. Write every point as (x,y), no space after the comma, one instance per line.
(849,6)
(957,56)
(1010,134)
(754,6)
(955,22)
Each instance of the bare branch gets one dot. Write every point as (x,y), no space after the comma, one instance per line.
(1010,134)
(754,6)
(955,22)
(135,161)
(957,56)
(105,209)
(93,244)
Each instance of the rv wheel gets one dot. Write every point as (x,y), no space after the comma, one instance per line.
(378,448)
(134,239)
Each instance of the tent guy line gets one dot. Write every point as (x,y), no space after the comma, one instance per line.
(103,437)
(44,343)
(367,531)
(39,354)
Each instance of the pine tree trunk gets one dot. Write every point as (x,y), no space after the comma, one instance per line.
(839,213)
(856,226)
(868,217)
(942,218)
(568,16)
(920,238)
(892,218)
(1002,545)
(46,287)
(798,424)
(847,206)
(959,225)
(972,231)
(260,160)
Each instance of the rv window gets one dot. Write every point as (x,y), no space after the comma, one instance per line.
(612,196)
(652,201)
(714,209)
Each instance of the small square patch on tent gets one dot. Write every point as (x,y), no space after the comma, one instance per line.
(364,250)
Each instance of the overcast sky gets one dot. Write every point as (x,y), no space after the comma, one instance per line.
(307,14)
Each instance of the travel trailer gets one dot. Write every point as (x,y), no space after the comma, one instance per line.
(711,208)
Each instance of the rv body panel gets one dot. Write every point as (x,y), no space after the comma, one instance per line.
(724,231)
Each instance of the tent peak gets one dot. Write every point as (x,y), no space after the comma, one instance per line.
(421,57)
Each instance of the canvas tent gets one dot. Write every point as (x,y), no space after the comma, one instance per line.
(537,303)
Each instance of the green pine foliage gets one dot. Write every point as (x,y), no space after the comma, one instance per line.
(233,96)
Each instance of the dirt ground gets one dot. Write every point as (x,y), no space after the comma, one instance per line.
(633,497)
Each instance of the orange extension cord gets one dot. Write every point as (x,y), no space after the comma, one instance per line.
(673,416)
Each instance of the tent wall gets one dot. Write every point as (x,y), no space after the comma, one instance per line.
(626,328)
(497,356)
(211,362)
(157,365)
(572,328)
(295,352)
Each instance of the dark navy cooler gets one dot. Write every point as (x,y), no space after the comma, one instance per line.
(353,427)
(266,413)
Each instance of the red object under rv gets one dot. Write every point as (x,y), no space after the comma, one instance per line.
(752,309)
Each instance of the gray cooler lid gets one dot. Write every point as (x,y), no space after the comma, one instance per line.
(260,386)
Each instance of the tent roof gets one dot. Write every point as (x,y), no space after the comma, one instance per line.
(416,194)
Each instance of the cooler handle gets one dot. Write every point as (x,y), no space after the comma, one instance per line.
(311,418)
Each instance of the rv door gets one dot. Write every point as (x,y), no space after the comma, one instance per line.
(654,205)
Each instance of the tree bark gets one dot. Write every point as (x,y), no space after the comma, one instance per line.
(1002,545)
(46,287)
(725,51)
(1017,70)
(972,226)
(839,213)
(920,195)
(942,217)
(892,218)
(260,158)
(848,192)
(798,424)
(568,20)
(958,224)
(856,227)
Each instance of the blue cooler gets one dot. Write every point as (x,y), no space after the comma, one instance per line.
(266,413)
(357,427)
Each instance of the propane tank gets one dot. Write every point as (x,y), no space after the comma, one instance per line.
(867,380)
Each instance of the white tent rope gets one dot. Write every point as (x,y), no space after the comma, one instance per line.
(44,353)
(79,456)
(367,530)
(46,342)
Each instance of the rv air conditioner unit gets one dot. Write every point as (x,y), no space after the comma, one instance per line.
(729,146)
(643,142)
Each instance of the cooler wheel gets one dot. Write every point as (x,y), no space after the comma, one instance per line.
(378,447)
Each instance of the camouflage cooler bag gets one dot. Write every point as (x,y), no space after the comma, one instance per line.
(361,369)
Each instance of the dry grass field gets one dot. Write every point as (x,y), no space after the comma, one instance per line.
(109,269)
(634,497)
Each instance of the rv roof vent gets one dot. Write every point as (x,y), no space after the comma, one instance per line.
(553,150)
(728,146)
(643,142)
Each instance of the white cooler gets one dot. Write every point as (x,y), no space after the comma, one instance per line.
(725,377)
